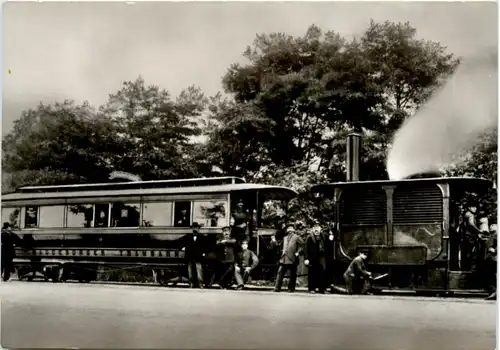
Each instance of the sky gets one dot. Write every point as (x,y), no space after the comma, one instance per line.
(85,51)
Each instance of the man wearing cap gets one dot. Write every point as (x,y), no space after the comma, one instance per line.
(289,258)
(356,274)
(247,261)
(470,237)
(227,257)
(194,246)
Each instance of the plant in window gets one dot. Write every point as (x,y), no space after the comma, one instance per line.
(86,210)
(14,218)
(213,213)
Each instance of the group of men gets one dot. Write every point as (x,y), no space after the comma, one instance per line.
(318,254)
(233,261)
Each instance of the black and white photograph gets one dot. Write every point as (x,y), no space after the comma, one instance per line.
(249,175)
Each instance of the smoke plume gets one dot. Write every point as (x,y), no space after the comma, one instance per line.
(450,122)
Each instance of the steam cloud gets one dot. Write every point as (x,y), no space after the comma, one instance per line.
(450,122)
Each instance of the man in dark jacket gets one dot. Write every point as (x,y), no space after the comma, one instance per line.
(289,259)
(247,261)
(315,259)
(356,275)
(227,250)
(9,241)
(194,252)
(470,237)
(240,221)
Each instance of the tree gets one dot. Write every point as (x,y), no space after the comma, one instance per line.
(480,161)
(406,70)
(237,135)
(140,130)
(156,132)
(58,144)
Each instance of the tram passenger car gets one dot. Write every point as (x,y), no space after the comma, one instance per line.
(409,227)
(81,228)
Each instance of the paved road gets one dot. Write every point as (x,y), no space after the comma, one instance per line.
(38,315)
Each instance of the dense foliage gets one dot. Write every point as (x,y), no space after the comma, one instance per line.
(283,121)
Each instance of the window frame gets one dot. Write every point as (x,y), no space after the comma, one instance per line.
(140,204)
(62,219)
(226,210)
(172,213)
(68,211)
(190,212)
(20,208)
(24,213)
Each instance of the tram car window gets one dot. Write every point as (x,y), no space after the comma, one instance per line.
(157,214)
(51,216)
(80,215)
(210,213)
(31,217)
(125,215)
(102,215)
(12,216)
(182,214)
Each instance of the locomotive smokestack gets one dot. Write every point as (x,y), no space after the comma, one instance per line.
(353,157)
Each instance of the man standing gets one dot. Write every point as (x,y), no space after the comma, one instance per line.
(227,256)
(194,252)
(315,259)
(9,241)
(289,259)
(247,261)
(356,275)
(470,238)
(240,221)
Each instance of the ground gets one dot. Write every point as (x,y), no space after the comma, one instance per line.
(38,315)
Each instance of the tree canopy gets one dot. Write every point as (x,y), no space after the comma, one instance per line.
(312,89)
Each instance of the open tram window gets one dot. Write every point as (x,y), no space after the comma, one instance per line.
(242,208)
(52,216)
(80,215)
(125,215)
(12,216)
(210,213)
(182,214)
(31,217)
(101,215)
(272,214)
(157,214)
